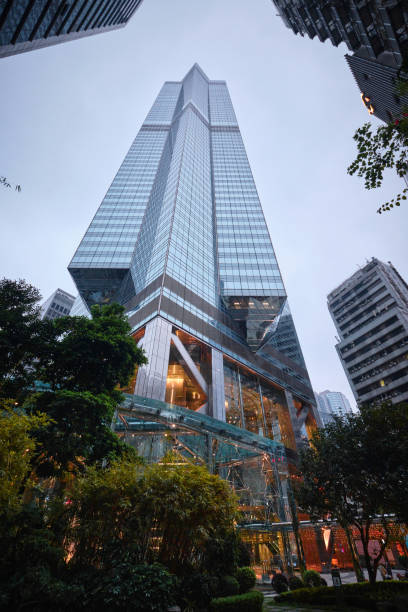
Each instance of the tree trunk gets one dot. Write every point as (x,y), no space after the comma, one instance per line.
(365,538)
(354,555)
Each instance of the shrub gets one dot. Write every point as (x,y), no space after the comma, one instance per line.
(295,583)
(403,561)
(138,588)
(248,602)
(323,582)
(361,594)
(244,556)
(280,583)
(228,586)
(311,578)
(197,590)
(246,578)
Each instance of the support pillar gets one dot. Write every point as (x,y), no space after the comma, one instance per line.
(152,377)
(217,409)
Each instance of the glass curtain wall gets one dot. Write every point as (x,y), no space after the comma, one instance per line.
(256,406)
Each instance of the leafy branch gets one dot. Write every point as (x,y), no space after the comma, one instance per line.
(5,183)
(383,148)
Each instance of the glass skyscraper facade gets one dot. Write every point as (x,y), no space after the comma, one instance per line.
(26,25)
(181,241)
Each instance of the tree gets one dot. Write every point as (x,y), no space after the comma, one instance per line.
(385,147)
(24,337)
(16,448)
(355,472)
(85,362)
(163,513)
(81,361)
(30,561)
(93,355)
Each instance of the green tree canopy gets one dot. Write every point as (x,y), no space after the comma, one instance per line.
(93,355)
(24,337)
(16,449)
(81,361)
(356,472)
(164,512)
(86,361)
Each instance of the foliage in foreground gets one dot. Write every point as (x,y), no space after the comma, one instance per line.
(163,512)
(311,578)
(83,520)
(356,472)
(249,602)
(362,594)
(246,578)
(80,361)
(16,449)
(126,586)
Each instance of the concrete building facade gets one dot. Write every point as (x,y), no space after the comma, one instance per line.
(370,311)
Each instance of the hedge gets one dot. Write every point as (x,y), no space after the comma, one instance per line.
(249,602)
(361,594)
(246,578)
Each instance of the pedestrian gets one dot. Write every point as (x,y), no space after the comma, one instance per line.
(383,571)
(389,570)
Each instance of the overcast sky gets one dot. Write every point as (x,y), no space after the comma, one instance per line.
(70,112)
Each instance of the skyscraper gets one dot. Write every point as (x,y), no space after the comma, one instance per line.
(373,28)
(26,25)
(376,31)
(180,239)
(59,304)
(378,86)
(370,311)
(331,404)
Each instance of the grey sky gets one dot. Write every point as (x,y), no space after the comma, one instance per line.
(70,112)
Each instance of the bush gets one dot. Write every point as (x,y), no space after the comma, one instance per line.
(311,578)
(228,586)
(138,588)
(323,582)
(249,602)
(360,594)
(295,583)
(403,561)
(280,583)
(197,590)
(246,578)
(244,556)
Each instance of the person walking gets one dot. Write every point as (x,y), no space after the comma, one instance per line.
(383,571)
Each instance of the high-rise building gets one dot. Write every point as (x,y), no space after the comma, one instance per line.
(376,31)
(331,404)
(374,28)
(79,308)
(181,241)
(378,86)
(370,311)
(26,25)
(59,304)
